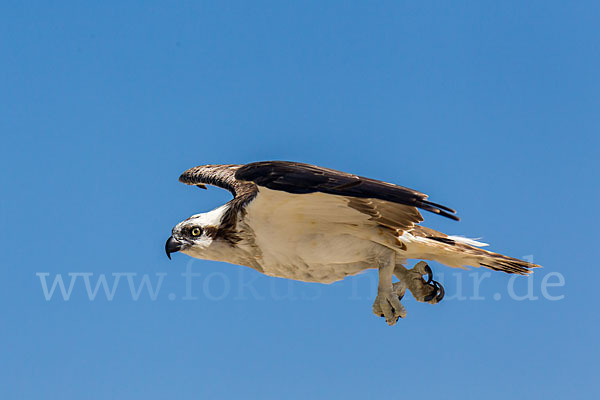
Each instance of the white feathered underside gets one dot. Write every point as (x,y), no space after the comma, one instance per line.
(318,238)
(312,237)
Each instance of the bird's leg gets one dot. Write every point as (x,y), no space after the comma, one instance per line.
(427,291)
(387,303)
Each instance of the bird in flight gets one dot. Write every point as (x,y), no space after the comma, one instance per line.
(308,223)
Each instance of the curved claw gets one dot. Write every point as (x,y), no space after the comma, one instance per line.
(437,293)
(441,293)
(429,274)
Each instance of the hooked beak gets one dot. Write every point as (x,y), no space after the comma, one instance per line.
(172,246)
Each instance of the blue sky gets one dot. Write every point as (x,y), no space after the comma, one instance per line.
(489,107)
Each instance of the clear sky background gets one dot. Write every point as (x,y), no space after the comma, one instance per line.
(489,107)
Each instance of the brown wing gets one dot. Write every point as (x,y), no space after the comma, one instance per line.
(390,205)
(298,178)
(395,216)
(222,176)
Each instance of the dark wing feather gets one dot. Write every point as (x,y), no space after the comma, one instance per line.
(299,178)
(222,176)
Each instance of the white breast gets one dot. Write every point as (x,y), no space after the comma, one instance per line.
(310,237)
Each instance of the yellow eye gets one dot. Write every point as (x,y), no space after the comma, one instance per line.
(196,232)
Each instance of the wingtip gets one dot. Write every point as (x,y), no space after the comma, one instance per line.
(448,215)
(184,178)
(187,177)
(440,210)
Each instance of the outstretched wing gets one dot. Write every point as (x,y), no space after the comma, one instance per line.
(385,204)
(392,206)
(298,178)
(222,176)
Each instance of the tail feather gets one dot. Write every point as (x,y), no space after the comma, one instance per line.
(457,251)
(475,257)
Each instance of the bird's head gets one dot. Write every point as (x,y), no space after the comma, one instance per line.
(196,236)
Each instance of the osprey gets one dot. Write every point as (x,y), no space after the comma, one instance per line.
(314,224)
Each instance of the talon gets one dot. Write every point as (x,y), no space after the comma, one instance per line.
(429,274)
(441,293)
(437,294)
